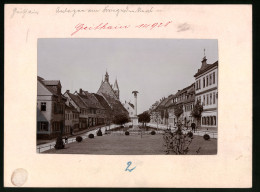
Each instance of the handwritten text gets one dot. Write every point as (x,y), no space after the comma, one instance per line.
(107,26)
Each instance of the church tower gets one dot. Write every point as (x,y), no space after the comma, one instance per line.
(116,89)
(107,77)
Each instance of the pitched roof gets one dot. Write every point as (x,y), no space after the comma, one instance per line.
(41,80)
(115,104)
(93,100)
(86,100)
(70,107)
(77,100)
(205,68)
(102,101)
(106,88)
(51,82)
(131,104)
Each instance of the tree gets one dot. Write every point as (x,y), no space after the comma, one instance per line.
(178,110)
(196,112)
(144,118)
(120,119)
(166,117)
(162,114)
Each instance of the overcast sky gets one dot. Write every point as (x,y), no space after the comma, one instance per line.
(155,68)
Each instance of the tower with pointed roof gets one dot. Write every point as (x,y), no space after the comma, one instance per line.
(107,88)
(116,88)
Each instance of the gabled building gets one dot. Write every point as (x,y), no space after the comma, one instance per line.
(71,119)
(79,105)
(97,113)
(130,109)
(50,108)
(206,92)
(106,88)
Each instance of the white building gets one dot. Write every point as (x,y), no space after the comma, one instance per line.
(206,91)
(130,109)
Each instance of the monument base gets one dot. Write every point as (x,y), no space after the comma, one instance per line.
(135,123)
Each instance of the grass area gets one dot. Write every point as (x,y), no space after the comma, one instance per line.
(133,145)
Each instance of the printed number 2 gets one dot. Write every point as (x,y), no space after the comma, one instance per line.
(128,165)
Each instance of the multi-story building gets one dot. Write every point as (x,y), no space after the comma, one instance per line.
(71,119)
(50,109)
(188,105)
(80,106)
(206,92)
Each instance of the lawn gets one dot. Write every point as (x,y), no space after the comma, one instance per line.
(133,145)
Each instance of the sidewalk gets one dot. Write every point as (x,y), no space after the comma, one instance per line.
(84,134)
(43,141)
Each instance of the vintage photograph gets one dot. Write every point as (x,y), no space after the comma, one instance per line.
(113,96)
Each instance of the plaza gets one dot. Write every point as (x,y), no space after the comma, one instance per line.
(133,145)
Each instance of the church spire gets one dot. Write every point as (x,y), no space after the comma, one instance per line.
(116,85)
(106,77)
(116,88)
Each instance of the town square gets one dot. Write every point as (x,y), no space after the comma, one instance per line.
(148,100)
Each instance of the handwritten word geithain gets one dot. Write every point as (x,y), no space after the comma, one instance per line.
(107,26)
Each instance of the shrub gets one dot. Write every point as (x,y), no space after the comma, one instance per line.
(91,136)
(59,143)
(190,134)
(126,133)
(78,138)
(153,133)
(99,133)
(206,137)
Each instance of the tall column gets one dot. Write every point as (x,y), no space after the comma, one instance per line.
(135,118)
(135,105)
(135,94)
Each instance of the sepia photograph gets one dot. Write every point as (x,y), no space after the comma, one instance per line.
(127,96)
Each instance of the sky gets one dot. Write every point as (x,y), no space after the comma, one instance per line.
(155,68)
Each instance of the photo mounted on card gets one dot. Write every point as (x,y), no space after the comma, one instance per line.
(114,109)
(149,90)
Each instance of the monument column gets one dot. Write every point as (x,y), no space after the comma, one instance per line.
(135,118)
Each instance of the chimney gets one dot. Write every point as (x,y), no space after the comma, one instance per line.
(80,91)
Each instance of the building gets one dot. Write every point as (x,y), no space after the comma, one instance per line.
(130,108)
(50,109)
(97,113)
(71,119)
(188,105)
(106,88)
(206,92)
(111,96)
(79,105)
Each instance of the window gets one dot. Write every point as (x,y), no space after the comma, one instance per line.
(203,99)
(207,83)
(214,78)
(210,98)
(43,106)
(203,82)
(207,99)
(42,126)
(210,78)
(214,100)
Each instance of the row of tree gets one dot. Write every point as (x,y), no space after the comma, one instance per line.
(178,111)
(145,116)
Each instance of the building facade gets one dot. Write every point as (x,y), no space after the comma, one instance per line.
(206,92)
(50,109)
